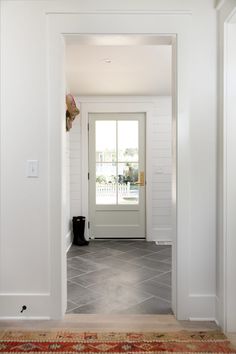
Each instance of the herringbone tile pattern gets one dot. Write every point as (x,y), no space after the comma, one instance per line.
(122,277)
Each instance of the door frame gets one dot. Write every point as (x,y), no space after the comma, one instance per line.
(226,224)
(123,105)
(152,24)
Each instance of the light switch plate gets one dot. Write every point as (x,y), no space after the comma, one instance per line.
(32,168)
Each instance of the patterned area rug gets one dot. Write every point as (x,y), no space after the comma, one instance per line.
(72,341)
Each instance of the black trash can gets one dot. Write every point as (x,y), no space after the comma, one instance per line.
(78,231)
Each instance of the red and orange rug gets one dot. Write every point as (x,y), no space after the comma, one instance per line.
(72,341)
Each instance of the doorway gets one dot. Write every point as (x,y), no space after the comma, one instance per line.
(59,27)
(125,142)
(117,175)
(119,276)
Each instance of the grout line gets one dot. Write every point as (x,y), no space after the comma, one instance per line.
(144,281)
(90,302)
(167,285)
(78,284)
(166,261)
(151,297)
(73,307)
(164,273)
(161,298)
(138,303)
(71,280)
(167,271)
(73,267)
(161,283)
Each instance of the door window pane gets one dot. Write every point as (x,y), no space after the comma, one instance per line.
(106,185)
(128,190)
(128,141)
(105,141)
(117,166)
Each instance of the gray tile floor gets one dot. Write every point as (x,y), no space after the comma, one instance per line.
(119,276)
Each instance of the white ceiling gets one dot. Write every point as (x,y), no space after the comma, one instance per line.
(134,69)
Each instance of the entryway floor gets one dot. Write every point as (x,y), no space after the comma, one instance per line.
(119,277)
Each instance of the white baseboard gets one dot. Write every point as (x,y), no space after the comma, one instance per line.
(69,239)
(203,319)
(202,307)
(162,234)
(219,315)
(164,243)
(32,318)
(38,306)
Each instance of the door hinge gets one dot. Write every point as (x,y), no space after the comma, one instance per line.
(88,224)
(88,126)
(88,175)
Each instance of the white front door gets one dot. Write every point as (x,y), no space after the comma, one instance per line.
(117,175)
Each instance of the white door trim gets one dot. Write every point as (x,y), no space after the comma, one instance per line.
(143,24)
(228,290)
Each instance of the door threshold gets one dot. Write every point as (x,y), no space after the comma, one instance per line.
(134,322)
(112,322)
(118,238)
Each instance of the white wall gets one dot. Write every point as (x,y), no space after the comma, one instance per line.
(26,256)
(24,243)
(231,179)
(160,146)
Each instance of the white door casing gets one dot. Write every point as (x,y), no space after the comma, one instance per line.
(116,105)
(227,244)
(144,24)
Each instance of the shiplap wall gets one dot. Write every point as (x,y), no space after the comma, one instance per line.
(67,191)
(75,166)
(161,169)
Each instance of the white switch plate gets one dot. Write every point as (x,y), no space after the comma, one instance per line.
(32,168)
